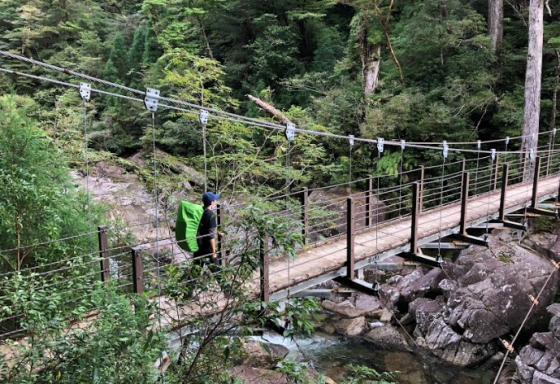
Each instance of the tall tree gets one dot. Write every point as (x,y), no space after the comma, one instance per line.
(496,23)
(531,111)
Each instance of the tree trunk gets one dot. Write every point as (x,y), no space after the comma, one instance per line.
(205,38)
(531,112)
(270,109)
(496,23)
(371,65)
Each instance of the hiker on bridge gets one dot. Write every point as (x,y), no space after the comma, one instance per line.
(207,233)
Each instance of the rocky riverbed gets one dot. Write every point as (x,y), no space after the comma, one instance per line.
(462,312)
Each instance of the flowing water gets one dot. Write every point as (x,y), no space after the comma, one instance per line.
(331,354)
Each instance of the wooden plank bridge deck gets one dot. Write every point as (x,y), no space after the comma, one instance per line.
(326,261)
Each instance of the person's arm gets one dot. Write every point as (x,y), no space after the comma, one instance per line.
(213,247)
(212,229)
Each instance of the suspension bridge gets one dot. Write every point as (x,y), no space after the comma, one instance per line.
(437,208)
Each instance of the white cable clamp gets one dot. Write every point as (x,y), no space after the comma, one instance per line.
(351,140)
(204,117)
(478,144)
(507,140)
(380,144)
(531,154)
(554,132)
(290,131)
(403,144)
(151,99)
(493,154)
(439,260)
(85,91)
(445,149)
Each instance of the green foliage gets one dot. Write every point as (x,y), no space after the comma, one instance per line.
(117,345)
(358,374)
(295,373)
(40,204)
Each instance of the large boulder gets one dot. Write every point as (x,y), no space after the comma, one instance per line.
(428,284)
(387,336)
(462,309)
(539,362)
(348,310)
(262,355)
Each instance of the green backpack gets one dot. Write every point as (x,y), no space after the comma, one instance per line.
(186,227)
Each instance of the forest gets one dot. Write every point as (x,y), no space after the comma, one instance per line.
(420,71)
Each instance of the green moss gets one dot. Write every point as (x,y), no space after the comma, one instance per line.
(504,258)
(544,224)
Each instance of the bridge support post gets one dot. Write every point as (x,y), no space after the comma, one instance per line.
(222,251)
(549,157)
(264,270)
(103,253)
(534,197)
(137,271)
(505,175)
(463,235)
(350,238)
(304,199)
(536,182)
(421,190)
(464,199)
(414,219)
(415,254)
(502,211)
(369,201)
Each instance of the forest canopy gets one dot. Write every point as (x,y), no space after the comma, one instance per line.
(427,71)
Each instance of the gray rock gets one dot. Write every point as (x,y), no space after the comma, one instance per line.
(386,316)
(394,280)
(451,347)
(345,308)
(387,336)
(389,295)
(348,310)
(541,378)
(367,303)
(540,359)
(447,287)
(425,311)
(350,327)
(262,355)
(425,284)
(406,283)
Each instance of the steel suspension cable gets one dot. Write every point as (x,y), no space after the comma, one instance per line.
(86,150)
(380,148)
(534,302)
(401,166)
(226,115)
(477,163)
(492,159)
(445,149)
(156,208)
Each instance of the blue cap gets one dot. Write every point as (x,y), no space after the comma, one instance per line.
(209,197)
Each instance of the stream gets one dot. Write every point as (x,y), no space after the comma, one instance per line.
(330,354)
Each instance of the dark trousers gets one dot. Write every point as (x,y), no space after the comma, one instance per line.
(203,257)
